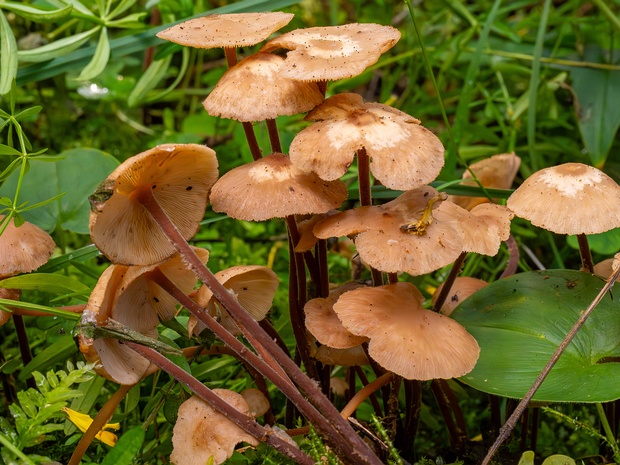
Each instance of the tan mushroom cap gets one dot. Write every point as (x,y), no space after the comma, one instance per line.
(351,357)
(462,288)
(253,286)
(23,249)
(405,338)
(179,176)
(201,433)
(9,294)
(384,245)
(323,323)
(483,228)
(333,52)
(273,188)
(255,90)
(258,404)
(572,198)
(126,295)
(604,269)
(226,30)
(496,172)
(404,155)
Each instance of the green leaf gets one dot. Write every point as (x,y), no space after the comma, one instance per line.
(57,48)
(149,80)
(79,255)
(90,390)
(8,150)
(520,321)
(77,175)
(132,21)
(54,283)
(126,449)
(28,112)
(121,8)
(8,55)
(35,14)
(599,115)
(607,243)
(100,58)
(60,350)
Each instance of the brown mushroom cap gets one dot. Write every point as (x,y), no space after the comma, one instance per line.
(405,338)
(384,245)
(572,198)
(253,286)
(126,295)
(461,289)
(226,30)
(404,155)
(323,323)
(351,357)
(201,433)
(496,172)
(273,188)
(23,249)
(258,404)
(333,52)
(180,177)
(255,90)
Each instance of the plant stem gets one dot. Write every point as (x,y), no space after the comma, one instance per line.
(6,442)
(364,393)
(244,422)
(24,346)
(611,440)
(584,251)
(512,420)
(274,137)
(447,285)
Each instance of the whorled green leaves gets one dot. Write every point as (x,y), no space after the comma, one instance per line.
(520,321)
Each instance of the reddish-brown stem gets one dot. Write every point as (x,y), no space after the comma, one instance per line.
(363,174)
(392,278)
(274,137)
(244,422)
(231,56)
(321,258)
(102,417)
(446,413)
(373,398)
(413,405)
(454,407)
(273,333)
(364,393)
(513,258)
(584,251)
(338,432)
(68,308)
(506,430)
(24,346)
(447,285)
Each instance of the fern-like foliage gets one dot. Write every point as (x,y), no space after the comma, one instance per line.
(34,415)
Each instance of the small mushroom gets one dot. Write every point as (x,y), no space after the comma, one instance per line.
(462,288)
(258,404)
(201,434)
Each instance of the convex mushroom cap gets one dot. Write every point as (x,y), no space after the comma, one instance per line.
(23,249)
(404,337)
(273,188)
(179,176)
(462,288)
(201,433)
(255,90)
(333,52)
(404,155)
(226,30)
(572,198)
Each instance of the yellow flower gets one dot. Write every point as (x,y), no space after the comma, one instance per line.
(83,421)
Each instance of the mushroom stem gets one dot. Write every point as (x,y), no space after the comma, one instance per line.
(584,251)
(514,417)
(321,258)
(274,137)
(363,393)
(231,56)
(373,398)
(451,412)
(24,346)
(363,176)
(413,405)
(513,258)
(244,422)
(447,285)
(102,417)
(355,450)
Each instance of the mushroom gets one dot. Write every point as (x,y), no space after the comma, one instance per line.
(254,288)
(258,404)
(177,176)
(404,337)
(461,289)
(273,188)
(572,198)
(333,52)
(201,434)
(404,155)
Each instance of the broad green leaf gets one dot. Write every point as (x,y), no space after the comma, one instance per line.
(126,449)
(77,175)
(35,14)
(607,243)
(46,282)
(8,55)
(59,351)
(149,80)
(100,58)
(520,321)
(57,48)
(599,117)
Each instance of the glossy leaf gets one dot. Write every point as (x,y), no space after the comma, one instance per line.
(8,55)
(35,14)
(127,448)
(100,59)
(77,175)
(607,243)
(54,283)
(520,321)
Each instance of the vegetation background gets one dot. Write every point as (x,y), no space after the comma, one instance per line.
(540,78)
